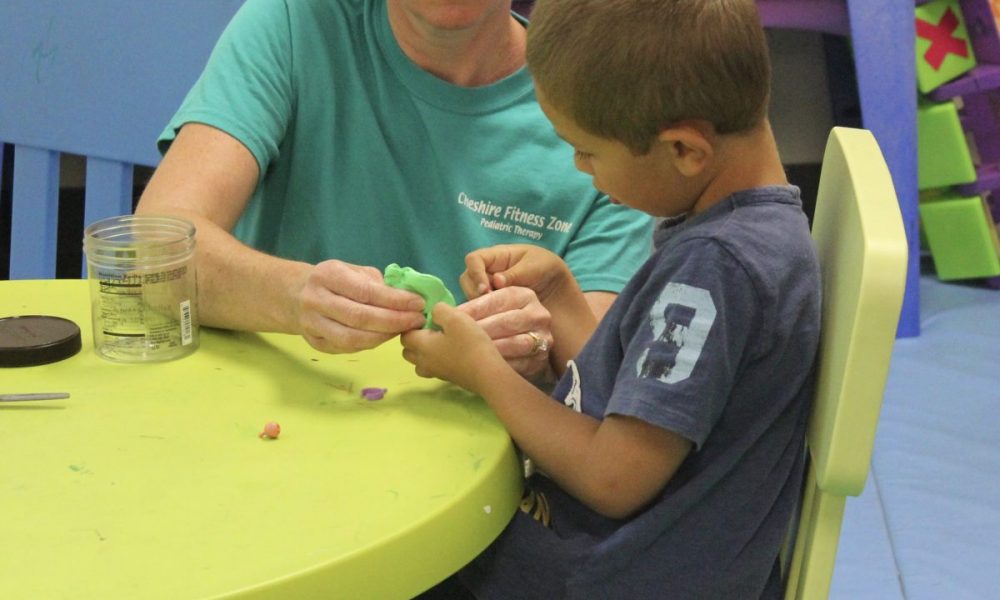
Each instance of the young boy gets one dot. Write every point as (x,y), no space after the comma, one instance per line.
(671,460)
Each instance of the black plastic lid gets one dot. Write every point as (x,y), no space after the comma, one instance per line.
(37,340)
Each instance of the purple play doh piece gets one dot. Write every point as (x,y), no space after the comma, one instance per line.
(373,393)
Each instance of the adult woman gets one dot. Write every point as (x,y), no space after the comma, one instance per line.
(328,138)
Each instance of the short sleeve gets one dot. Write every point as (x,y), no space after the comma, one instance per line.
(246,88)
(691,331)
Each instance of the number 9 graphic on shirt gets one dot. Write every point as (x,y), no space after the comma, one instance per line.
(681,319)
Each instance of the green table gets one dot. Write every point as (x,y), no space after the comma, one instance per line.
(150,481)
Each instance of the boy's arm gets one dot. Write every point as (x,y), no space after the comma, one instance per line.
(614,466)
(573,321)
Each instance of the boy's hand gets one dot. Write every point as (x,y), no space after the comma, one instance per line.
(461,352)
(509,265)
(571,317)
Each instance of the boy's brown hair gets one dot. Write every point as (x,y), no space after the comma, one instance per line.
(626,69)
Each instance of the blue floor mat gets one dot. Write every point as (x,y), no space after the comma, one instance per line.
(935,479)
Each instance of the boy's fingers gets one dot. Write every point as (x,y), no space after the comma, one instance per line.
(476,280)
(472,286)
(407,338)
(502,280)
(443,314)
(517,274)
(454,322)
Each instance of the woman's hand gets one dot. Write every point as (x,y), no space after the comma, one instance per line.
(519,326)
(507,286)
(347,308)
(551,318)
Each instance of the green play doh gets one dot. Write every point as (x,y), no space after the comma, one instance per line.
(428,286)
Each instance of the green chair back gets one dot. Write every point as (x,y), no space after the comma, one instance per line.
(862,248)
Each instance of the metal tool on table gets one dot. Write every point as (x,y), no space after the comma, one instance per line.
(33,397)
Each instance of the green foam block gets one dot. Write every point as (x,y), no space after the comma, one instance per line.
(943,156)
(961,236)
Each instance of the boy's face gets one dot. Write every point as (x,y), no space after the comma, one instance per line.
(649,183)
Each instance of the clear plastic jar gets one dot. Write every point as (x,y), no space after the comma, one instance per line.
(143,288)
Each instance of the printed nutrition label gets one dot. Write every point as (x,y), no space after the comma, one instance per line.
(121,308)
(137,310)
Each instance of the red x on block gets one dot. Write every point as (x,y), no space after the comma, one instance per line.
(942,42)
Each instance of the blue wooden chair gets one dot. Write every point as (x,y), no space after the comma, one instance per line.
(98,79)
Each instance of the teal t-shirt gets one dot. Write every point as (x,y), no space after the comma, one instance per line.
(369,159)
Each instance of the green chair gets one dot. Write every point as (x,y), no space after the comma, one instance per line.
(862,248)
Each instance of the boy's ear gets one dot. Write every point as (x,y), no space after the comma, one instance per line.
(689,146)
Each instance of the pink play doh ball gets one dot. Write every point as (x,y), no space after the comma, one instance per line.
(271,431)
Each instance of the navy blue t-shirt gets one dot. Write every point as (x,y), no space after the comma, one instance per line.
(714,339)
